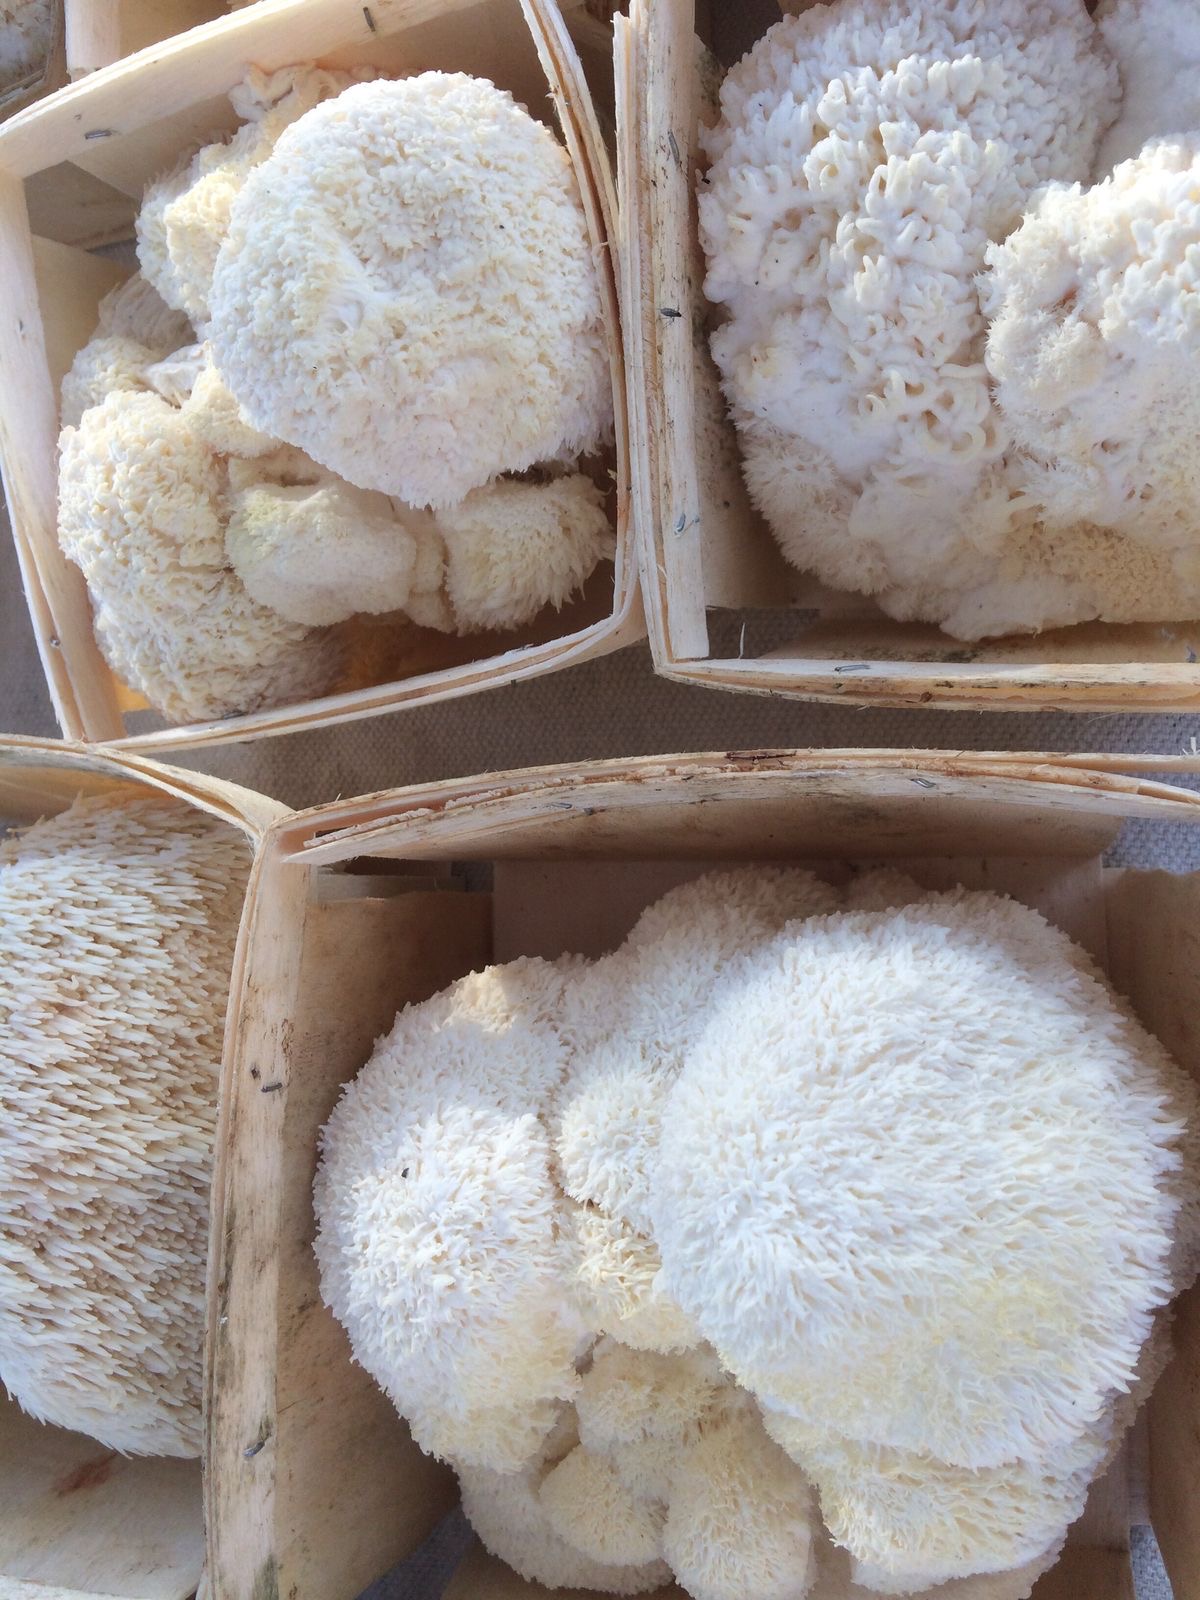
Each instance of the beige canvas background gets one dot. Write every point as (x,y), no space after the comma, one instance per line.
(612,707)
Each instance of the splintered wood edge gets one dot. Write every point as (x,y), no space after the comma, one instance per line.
(239,1498)
(338,830)
(1018,686)
(268,1448)
(146,87)
(655,67)
(641,499)
(623,627)
(254,814)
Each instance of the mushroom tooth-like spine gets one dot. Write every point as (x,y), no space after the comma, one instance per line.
(136,310)
(505,1438)
(505,1511)
(614,1279)
(142,509)
(912,1523)
(321,553)
(216,418)
(185,212)
(1156,45)
(592,1509)
(631,1018)
(107,363)
(118,919)
(135,328)
(1093,353)
(836,1578)
(627,1395)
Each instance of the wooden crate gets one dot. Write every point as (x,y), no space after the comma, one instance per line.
(99,32)
(703,547)
(95,146)
(314,1486)
(78,1520)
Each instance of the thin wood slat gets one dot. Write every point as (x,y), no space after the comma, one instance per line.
(99,32)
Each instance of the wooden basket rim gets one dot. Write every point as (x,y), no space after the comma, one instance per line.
(252,813)
(339,830)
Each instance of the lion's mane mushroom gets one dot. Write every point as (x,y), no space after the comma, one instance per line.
(512,548)
(351,312)
(185,213)
(1094,351)
(135,329)
(117,926)
(901,1035)
(142,508)
(436,1153)
(866,154)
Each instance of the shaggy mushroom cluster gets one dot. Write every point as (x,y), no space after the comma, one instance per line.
(357,374)
(117,927)
(816,1242)
(964,381)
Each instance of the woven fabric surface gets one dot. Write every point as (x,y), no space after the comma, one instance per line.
(612,707)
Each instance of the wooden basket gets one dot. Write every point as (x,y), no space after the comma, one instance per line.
(704,548)
(78,1520)
(99,32)
(314,1486)
(96,145)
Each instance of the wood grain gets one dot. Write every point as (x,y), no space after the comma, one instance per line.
(77,1516)
(1154,933)
(756,803)
(314,1486)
